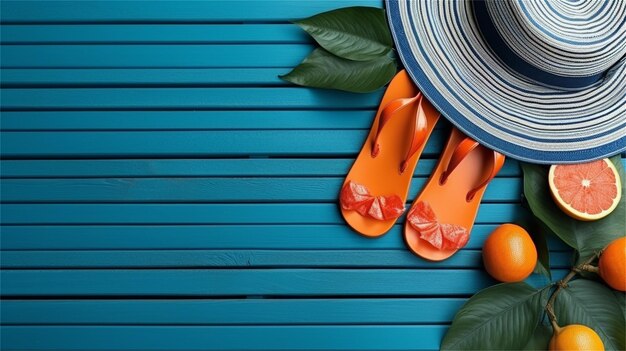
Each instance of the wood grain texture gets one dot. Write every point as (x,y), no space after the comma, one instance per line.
(157,77)
(245,213)
(213,236)
(169,11)
(205,144)
(181,98)
(208,190)
(154,56)
(153,33)
(187,120)
(189,258)
(244,282)
(231,311)
(376,337)
(157,168)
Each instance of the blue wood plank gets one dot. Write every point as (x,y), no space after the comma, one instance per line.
(243,282)
(186,98)
(154,56)
(245,258)
(204,213)
(205,190)
(153,33)
(201,77)
(187,120)
(231,311)
(86,77)
(171,338)
(223,237)
(187,168)
(199,168)
(169,11)
(192,143)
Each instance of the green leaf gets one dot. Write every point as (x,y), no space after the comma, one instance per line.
(585,237)
(501,317)
(324,70)
(538,232)
(594,305)
(543,255)
(620,297)
(354,33)
(540,338)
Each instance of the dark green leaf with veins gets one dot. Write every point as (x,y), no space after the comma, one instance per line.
(354,33)
(540,338)
(596,306)
(324,70)
(502,317)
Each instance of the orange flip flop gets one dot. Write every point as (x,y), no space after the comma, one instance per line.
(375,190)
(441,218)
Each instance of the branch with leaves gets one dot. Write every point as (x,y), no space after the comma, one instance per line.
(562,284)
(521,309)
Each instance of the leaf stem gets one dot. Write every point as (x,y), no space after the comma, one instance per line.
(589,268)
(562,284)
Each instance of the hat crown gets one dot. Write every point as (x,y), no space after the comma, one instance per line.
(566,38)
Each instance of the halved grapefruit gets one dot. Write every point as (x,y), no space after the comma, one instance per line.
(586,191)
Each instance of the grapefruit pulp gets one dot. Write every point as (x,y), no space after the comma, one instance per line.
(586,191)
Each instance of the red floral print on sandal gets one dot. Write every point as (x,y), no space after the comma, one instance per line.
(357,197)
(440,235)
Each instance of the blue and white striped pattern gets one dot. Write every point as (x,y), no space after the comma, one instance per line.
(578,40)
(476,87)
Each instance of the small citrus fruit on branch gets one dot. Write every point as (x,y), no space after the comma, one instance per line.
(575,337)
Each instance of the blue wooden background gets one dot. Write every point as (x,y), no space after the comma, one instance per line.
(162,189)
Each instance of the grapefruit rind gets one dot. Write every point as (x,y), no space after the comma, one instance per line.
(579,215)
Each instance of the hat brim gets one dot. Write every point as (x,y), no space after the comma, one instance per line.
(443,51)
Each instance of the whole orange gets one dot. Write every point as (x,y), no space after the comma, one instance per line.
(575,337)
(613,264)
(509,253)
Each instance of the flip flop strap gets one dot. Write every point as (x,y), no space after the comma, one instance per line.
(498,162)
(466,146)
(418,137)
(387,113)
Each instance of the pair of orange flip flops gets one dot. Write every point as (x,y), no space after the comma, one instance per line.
(375,190)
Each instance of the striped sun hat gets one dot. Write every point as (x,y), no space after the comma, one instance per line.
(540,81)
